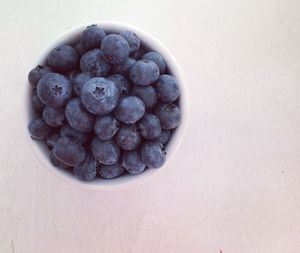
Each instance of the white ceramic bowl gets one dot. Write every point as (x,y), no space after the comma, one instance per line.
(40,149)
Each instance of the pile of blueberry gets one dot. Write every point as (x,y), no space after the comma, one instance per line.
(104,105)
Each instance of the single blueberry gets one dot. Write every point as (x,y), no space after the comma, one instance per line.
(93,62)
(169,115)
(110,171)
(149,126)
(38,129)
(52,139)
(63,58)
(128,137)
(153,154)
(78,117)
(167,89)
(92,37)
(37,104)
(164,136)
(57,163)
(64,166)
(106,127)
(86,171)
(67,131)
(99,95)
(69,152)
(79,49)
(106,152)
(54,90)
(158,59)
(147,94)
(54,117)
(132,39)
(124,67)
(36,74)
(144,72)
(115,48)
(79,80)
(132,162)
(121,83)
(130,109)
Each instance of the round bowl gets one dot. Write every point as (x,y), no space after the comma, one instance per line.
(40,149)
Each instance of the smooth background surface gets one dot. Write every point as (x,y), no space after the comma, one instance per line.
(234,184)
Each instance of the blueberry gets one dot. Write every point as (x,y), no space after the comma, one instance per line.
(93,62)
(153,154)
(106,152)
(38,129)
(158,59)
(37,104)
(169,115)
(63,58)
(92,37)
(77,136)
(132,39)
(78,117)
(124,67)
(128,137)
(57,163)
(147,94)
(52,139)
(121,83)
(149,126)
(36,74)
(137,54)
(54,90)
(69,152)
(167,89)
(144,72)
(132,162)
(64,166)
(54,117)
(110,171)
(115,48)
(106,127)
(79,49)
(130,109)
(164,136)
(99,95)
(79,80)
(86,171)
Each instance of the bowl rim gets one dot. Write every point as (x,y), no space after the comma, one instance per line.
(121,182)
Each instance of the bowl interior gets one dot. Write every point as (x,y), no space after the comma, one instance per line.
(149,42)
